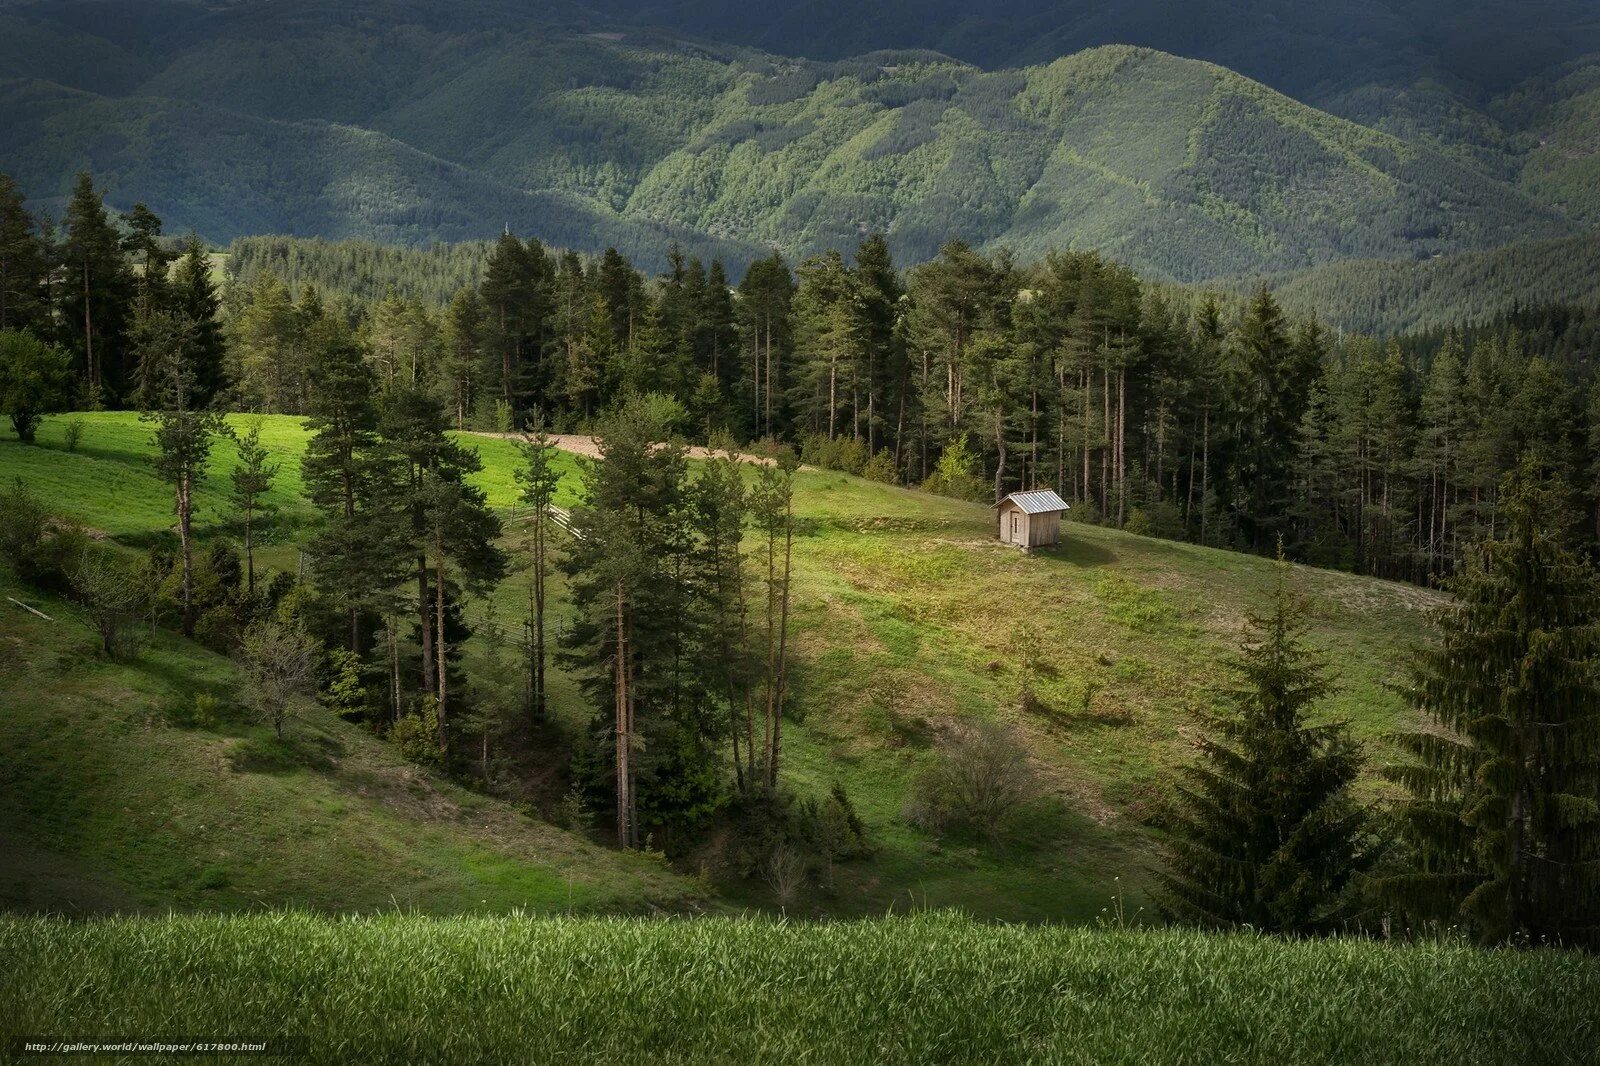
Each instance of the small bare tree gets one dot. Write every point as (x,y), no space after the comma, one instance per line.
(1028,647)
(784,872)
(280,666)
(978,782)
(113,600)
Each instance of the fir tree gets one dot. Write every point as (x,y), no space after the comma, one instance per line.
(1265,833)
(252,479)
(1503,820)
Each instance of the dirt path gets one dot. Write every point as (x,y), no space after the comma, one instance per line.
(578,444)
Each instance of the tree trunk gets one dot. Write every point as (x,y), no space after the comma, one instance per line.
(441,646)
(536,697)
(1205,471)
(624,737)
(185,515)
(425,624)
(776,745)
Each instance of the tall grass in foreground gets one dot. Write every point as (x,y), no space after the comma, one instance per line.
(932,988)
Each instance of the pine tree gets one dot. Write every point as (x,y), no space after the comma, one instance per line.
(184,434)
(350,479)
(461,353)
(1503,819)
(141,242)
(539,478)
(772,512)
(461,535)
(720,504)
(95,298)
(22,265)
(631,568)
(1266,834)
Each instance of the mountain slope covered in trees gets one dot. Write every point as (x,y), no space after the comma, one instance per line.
(406,122)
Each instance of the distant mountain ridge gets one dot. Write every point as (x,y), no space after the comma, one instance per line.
(400,120)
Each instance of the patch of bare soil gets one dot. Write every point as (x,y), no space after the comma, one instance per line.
(589,447)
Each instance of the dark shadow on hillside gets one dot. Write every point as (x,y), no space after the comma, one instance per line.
(294,751)
(1080,552)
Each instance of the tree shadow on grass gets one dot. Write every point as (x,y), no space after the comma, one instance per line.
(1080,552)
(294,751)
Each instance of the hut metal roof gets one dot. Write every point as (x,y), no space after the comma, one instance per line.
(1039,501)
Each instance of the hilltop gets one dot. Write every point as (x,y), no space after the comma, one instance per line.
(906,613)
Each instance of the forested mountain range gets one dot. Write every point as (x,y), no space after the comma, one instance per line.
(406,121)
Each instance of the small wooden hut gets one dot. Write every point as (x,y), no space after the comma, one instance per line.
(1031,519)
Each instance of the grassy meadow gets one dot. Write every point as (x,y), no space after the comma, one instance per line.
(906,614)
(928,988)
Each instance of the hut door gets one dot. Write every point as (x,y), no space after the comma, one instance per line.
(1016,527)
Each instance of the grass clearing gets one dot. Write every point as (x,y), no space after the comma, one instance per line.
(928,988)
(904,616)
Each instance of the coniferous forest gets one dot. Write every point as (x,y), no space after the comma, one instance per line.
(1213,418)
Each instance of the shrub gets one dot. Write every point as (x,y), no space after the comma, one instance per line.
(881,468)
(23,522)
(417,735)
(845,454)
(217,628)
(978,782)
(204,711)
(73,434)
(956,476)
(112,600)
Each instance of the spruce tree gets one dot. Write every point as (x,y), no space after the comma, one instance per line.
(1503,818)
(193,294)
(1265,833)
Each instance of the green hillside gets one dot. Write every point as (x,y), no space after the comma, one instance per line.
(110,805)
(1373,296)
(905,617)
(412,124)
